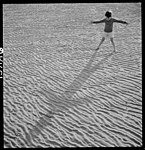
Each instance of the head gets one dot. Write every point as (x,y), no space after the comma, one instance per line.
(108,14)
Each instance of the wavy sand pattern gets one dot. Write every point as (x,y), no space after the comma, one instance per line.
(59,91)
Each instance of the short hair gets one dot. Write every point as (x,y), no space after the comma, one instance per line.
(108,14)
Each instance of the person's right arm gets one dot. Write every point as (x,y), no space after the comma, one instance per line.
(101,21)
(120,21)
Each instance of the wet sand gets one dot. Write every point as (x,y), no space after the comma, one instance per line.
(59,91)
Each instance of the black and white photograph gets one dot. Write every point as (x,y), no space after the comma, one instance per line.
(72,75)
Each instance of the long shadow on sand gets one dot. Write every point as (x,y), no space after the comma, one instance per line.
(65,101)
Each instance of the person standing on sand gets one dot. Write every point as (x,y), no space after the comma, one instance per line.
(108,30)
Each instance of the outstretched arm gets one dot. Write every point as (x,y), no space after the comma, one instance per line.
(101,21)
(120,21)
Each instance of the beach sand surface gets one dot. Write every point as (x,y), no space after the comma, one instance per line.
(58,91)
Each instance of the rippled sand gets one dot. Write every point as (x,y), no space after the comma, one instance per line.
(60,92)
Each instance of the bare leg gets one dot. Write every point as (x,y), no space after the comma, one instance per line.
(102,40)
(111,39)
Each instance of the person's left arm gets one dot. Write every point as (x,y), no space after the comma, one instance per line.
(100,21)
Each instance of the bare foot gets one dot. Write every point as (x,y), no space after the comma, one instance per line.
(114,51)
(97,48)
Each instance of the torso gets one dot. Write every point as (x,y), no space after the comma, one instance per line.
(108,25)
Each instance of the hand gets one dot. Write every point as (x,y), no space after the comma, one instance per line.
(92,22)
(126,23)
